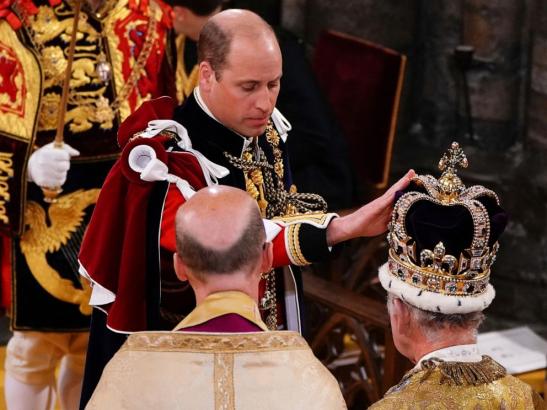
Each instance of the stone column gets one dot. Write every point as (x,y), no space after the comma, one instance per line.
(293,16)
(497,29)
(435,106)
(388,22)
(537,125)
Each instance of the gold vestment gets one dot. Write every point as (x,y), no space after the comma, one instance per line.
(179,370)
(461,386)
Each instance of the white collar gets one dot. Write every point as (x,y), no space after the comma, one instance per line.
(197,94)
(201,103)
(282,125)
(458,353)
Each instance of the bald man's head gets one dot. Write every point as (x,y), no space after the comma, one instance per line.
(219,231)
(217,35)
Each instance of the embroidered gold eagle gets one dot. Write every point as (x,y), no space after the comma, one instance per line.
(65,217)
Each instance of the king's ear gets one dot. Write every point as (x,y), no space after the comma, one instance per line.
(401,315)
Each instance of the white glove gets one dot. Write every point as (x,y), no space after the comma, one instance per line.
(48,165)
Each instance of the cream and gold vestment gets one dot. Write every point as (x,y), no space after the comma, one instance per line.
(176,370)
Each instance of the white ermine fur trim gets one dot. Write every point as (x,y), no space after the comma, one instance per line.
(431,301)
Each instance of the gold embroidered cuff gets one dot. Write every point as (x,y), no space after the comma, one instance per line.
(293,242)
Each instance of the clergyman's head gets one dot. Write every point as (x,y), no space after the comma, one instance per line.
(240,70)
(221,240)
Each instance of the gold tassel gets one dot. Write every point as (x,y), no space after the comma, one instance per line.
(464,373)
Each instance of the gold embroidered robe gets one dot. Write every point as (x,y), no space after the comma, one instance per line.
(171,370)
(417,390)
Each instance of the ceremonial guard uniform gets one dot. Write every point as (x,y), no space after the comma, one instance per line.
(443,241)
(211,154)
(118,62)
(127,250)
(317,148)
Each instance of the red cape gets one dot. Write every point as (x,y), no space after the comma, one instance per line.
(114,251)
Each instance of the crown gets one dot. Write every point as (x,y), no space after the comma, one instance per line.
(419,254)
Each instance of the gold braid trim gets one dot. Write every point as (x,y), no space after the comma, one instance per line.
(224,381)
(269,183)
(294,245)
(215,342)
(464,373)
(319,219)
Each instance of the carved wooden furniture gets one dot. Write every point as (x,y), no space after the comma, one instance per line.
(363,83)
(352,337)
(349,324)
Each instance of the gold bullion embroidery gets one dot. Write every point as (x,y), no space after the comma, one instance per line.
(482,387)
(224,381)
(294,245)
(84,109)
(65,216)
(126,86)
(48,115)
(318,218)
(463,373)
(218,343)
(6,172)
(18,111)
(185,82)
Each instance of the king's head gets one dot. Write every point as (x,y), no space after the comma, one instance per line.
(443,239)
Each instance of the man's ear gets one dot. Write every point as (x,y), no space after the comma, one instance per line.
(180,268)
(206,76)
(400,316)
(267,257)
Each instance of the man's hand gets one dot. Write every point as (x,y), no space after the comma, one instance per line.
(48,166)
(369,220)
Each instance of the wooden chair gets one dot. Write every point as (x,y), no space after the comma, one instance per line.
(353,339)
(362,82)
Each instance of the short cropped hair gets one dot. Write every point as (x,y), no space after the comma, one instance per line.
(432,322)
(245,252)
(198,7)
(214,45)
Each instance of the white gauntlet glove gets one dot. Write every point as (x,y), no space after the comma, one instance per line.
(48,165)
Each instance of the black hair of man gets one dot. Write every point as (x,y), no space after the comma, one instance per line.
(241,255)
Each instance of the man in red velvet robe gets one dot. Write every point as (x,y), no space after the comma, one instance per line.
(222,251)
(227,132)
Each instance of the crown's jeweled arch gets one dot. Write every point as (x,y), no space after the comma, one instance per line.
(466,274)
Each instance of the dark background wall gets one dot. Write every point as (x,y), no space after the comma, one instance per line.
(507,145)
(506,140)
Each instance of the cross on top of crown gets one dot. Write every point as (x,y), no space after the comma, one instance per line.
(452,158)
